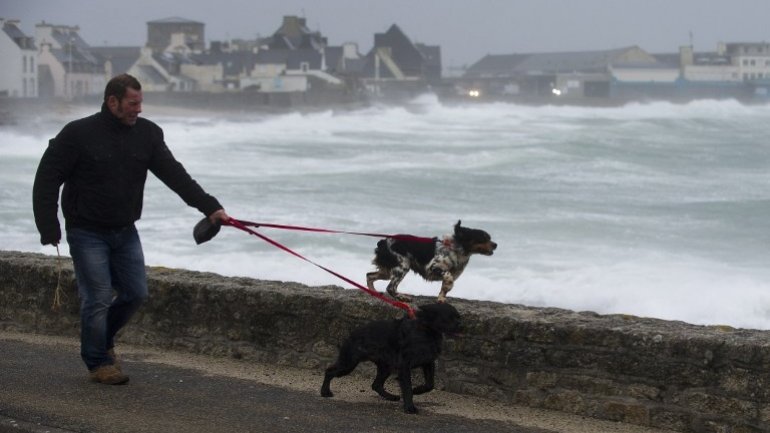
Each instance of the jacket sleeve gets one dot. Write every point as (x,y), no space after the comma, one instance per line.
(55,165)
(173,174)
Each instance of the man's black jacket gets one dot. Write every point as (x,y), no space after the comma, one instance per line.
(103,165)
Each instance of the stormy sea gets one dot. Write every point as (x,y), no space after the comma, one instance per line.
(656,210)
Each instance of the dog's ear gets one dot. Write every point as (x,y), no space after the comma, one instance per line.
(426,311)
(457,226)
(439,317)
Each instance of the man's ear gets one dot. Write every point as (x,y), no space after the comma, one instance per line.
(112,102)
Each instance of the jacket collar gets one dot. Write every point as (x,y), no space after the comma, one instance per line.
(110,118)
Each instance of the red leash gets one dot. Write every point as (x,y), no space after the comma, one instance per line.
(317,230)
(242,225)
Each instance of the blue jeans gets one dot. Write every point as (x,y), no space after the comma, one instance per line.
(112,285)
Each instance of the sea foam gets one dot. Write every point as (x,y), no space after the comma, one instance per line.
(655,210)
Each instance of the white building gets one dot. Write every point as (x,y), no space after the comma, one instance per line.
(161,72)
(67,68)
(18,76)
(751,59)
(732,63)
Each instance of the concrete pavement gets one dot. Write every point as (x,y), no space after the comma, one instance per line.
(44,387)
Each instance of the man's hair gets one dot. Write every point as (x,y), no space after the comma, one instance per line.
(118,84)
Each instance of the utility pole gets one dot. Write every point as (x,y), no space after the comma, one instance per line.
(68,77)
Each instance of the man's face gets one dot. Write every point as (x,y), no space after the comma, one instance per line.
(127,109)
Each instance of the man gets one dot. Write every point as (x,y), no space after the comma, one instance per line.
(103,160)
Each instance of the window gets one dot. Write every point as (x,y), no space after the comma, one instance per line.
(32,64)
(745,62)
(753,62)
(304,66)
(24,66)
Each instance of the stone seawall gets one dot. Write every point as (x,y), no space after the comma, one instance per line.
(650,372)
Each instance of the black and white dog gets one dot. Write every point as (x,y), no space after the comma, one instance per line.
(440,260)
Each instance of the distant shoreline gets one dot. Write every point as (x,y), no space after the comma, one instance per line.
(23,112)
(28,111)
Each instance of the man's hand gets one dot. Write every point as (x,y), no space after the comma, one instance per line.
(52,238)
(219,217)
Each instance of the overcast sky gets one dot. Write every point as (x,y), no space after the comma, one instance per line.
(466,30)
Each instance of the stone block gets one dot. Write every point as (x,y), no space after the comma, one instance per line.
(628,411)
(710,404)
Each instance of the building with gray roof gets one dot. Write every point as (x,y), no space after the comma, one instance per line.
(68,68)
(160,33)
(18,76)
(116,60)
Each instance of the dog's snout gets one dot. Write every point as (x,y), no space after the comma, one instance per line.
(494,246)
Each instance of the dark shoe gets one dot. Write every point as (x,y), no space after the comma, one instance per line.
(108,375)
(115,360)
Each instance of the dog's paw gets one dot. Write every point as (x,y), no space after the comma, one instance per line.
(411,409)
(399,296)
(391,397)
(326,393)
(385,394)
(402,297)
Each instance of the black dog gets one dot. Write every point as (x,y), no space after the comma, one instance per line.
(397,346)
(441,260)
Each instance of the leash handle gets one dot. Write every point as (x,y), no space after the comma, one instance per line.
(320,230)
(59,296)
(242,226)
